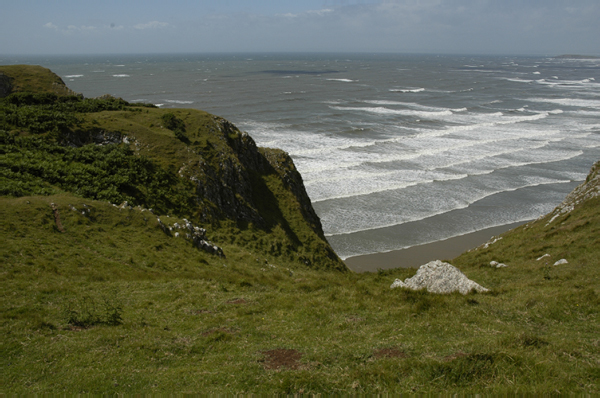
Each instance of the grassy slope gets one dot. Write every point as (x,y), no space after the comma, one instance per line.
(33,78)
(196,322)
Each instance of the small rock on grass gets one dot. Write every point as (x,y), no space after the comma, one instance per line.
(561,261)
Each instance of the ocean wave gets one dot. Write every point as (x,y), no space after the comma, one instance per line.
(407,90)
(355,183)
(179,102)
(516,79)
(342,80)
(376,250)
(122,75)
(387,111)
(556,83)
(413,105)
(458,205)
(573,102)
(312,152)
(72,76)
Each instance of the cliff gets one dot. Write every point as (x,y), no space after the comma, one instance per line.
(183,162)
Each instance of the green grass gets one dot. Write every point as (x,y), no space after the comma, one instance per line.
(196,322)
(33,78)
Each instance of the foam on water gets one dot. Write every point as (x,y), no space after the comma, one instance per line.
(366,218)
(181,102)
(571,102)
(387,111)
(407,90)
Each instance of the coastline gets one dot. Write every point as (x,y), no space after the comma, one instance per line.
(415,256)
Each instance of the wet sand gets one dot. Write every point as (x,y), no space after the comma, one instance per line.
(416,256)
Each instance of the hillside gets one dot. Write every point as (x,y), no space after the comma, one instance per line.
(227,285)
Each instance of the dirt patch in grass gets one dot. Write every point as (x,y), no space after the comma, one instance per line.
(390,352)
(281,358)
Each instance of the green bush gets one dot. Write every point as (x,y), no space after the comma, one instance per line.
(38,166)
(176,125)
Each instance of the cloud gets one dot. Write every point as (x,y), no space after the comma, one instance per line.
(320,13)
(50,25)
(151,25)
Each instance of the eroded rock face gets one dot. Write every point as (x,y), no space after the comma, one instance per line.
(234,184)
(439,277)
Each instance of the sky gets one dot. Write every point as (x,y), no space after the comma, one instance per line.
(520,27)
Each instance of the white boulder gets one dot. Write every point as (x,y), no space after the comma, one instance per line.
(439,277)
(561,261)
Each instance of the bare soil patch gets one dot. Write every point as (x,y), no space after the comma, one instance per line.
(281,358)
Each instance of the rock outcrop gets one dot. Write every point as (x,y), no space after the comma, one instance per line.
(439,277)
(588,190)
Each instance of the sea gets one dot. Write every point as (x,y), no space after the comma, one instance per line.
(396,150)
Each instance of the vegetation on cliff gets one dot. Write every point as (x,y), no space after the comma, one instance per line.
(108,149)
(100,296)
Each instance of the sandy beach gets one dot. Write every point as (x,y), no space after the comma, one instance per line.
(416,256)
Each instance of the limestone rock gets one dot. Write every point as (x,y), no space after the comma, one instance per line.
(588,190)
(561,261)
(542,257)
(397,283)
(439,277)
(496,264)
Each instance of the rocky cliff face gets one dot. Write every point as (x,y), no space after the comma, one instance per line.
(234,183)
(588,190)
